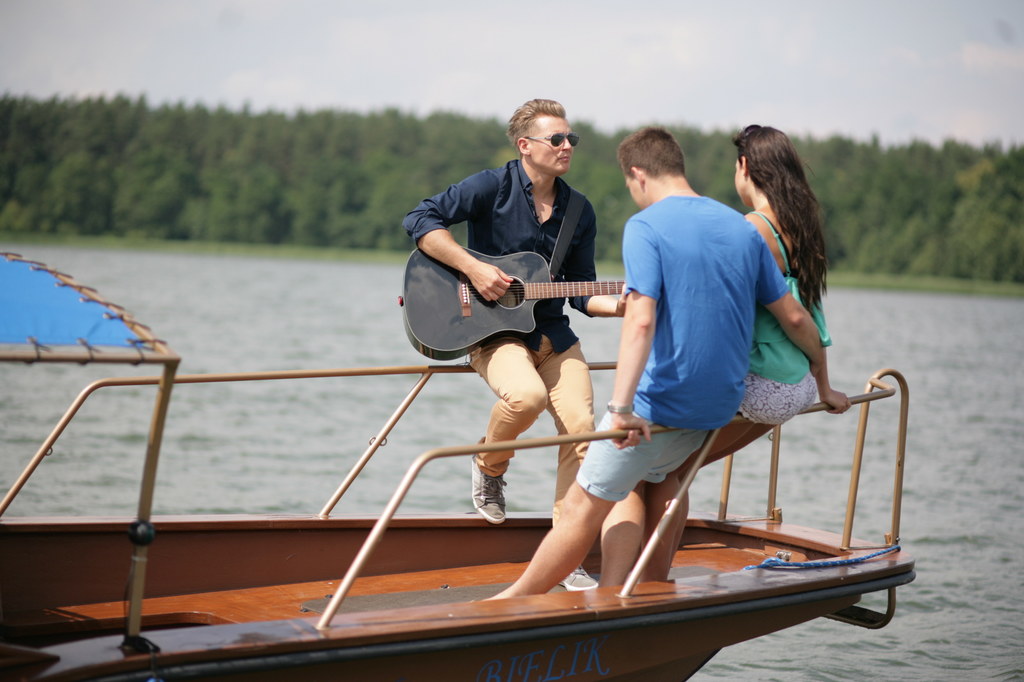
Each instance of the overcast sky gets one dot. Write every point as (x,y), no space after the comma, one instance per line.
(898,69)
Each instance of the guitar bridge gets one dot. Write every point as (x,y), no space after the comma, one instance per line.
(464,296)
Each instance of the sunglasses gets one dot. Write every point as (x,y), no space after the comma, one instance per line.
(557,139)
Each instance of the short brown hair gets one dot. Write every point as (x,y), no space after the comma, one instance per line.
(653,149)
(523,117)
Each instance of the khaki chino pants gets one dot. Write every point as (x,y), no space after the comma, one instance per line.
(527,382)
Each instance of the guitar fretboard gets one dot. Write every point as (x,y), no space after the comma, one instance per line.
(536,290)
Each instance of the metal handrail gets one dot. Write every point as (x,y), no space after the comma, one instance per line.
(875,382)
(373,539)
(79,401)
(376,534)
(425,372)
(109,382)
(874,390)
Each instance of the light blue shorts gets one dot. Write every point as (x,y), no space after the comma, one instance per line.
(610,473)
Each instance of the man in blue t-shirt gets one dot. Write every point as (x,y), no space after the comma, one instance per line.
(694,270)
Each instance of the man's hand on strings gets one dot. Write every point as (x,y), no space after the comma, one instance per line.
(490,281)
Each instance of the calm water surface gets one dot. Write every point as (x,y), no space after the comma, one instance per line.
(285,446)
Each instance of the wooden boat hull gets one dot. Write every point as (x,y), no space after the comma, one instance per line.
(225,600)
(669,646)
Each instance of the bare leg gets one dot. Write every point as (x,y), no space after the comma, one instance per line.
(565,545)
(658,496)
(620,539)
(731,438)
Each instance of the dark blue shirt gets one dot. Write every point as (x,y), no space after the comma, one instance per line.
(497,207)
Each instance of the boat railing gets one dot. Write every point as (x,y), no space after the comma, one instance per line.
(875,389)
(425,372)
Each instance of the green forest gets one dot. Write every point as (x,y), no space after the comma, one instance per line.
(330,178)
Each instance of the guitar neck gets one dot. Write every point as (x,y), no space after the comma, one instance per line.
(537,290)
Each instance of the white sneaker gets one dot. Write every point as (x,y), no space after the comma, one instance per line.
(578,580)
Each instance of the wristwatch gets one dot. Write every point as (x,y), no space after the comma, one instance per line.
(620,409)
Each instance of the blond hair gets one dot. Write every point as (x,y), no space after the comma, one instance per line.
(523,118)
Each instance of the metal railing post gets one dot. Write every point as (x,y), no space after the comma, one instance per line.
(375,443)
(667,518)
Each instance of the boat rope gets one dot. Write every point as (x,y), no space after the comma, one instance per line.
(772,562)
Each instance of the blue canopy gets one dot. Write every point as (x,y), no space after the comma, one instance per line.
(38,307)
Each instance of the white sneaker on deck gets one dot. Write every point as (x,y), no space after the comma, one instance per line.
(578,580)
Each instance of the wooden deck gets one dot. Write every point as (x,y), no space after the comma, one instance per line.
(293,600)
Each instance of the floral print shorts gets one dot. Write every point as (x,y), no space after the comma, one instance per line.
(772,402)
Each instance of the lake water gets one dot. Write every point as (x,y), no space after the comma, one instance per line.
(285,446)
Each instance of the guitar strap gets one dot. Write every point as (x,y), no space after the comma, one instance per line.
(565,232)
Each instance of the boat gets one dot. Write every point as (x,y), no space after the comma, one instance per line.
(391,595)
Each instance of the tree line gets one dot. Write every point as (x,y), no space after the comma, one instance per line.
(341,179)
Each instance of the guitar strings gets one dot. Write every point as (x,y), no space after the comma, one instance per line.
(518,290)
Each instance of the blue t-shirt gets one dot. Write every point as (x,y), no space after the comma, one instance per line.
(706,267)
(497,207)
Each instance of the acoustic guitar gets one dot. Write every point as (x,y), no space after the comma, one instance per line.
(446,318)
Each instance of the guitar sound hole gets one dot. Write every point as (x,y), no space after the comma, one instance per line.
(514,295)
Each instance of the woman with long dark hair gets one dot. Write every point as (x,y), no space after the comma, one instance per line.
(770,179)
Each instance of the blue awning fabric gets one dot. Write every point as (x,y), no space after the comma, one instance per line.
(38,308)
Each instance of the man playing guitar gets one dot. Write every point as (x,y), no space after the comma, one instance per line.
(519,207)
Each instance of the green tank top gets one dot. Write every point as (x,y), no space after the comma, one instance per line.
(773,355)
